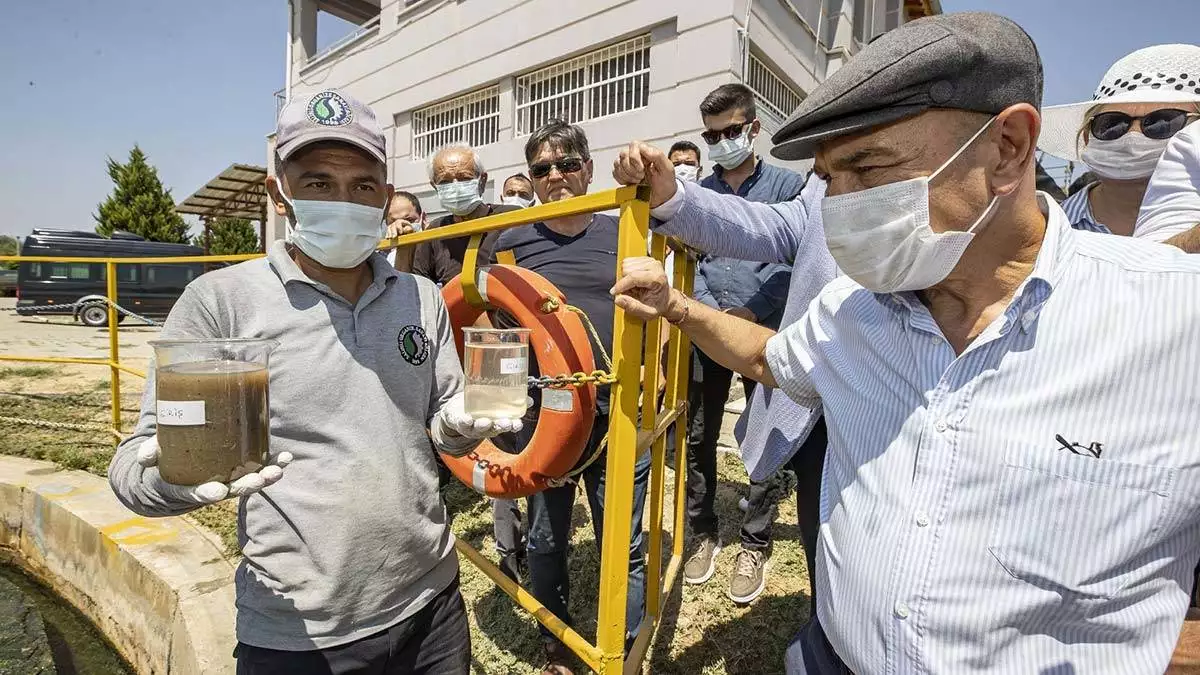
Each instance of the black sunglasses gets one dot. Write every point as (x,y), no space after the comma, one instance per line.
(1159,125)
(565,166)
(712,137)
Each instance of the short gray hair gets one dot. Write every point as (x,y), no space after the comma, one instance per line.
(452,147)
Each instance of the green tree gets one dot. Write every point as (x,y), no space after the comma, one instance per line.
(139,203)
(9,246)
(229,236)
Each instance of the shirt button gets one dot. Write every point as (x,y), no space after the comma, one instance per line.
(934,339)
(922,519)
(901,609)
(941,426)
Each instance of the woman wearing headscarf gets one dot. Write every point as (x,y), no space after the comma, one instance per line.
(1141,103)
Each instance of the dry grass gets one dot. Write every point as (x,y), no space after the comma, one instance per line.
(702,632)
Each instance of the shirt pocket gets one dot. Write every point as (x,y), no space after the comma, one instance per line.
(1073,525)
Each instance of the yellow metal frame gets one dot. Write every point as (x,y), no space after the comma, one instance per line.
(635,389)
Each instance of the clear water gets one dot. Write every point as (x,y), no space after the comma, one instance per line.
(77,646)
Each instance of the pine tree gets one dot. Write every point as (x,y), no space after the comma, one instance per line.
(229,236)
(139,204)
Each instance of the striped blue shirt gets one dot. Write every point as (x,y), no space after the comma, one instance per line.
(958,534)
(1079,212)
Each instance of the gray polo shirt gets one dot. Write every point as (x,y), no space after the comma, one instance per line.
(354,538)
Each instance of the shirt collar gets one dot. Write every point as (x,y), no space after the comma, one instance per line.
(719,172)
(288,271)
(1058,244)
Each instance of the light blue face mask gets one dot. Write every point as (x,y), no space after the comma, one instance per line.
(460,197)
(731,152)
(335,234)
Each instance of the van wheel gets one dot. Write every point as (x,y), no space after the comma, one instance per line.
(94,315)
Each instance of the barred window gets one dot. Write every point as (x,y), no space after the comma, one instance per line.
(775,98)
(472,118)
(605,82)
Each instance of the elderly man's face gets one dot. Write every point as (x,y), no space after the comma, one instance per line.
(517,187)
(332,171)
(454,165)
(560,184)
(912,148)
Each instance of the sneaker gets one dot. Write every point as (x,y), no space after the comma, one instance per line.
(700,567)
(749,576)
(744,504)
(558,659)
(513,565)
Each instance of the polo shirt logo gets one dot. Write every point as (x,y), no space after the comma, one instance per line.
(413,344)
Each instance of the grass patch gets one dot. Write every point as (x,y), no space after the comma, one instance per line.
(26,371)
(701,632)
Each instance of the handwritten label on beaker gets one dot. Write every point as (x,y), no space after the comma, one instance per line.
(514,366)
(180,413)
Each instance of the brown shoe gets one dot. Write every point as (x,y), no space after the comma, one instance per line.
(558,659)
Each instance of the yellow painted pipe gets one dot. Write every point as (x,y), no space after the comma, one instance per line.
(54,359)
(573,640)
(127,369)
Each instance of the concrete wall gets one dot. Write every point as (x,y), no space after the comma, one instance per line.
(159,589)
(440,49)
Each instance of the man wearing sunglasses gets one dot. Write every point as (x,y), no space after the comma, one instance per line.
(755,291)
(578,255)
(1143,100)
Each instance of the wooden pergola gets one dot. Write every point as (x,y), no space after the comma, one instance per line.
(237,192)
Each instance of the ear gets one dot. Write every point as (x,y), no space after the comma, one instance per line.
(274,189)
(755,128)
(590,173)
(1017,127)
(483,183)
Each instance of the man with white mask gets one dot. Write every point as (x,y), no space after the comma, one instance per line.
(456,172)
(1012,482)
(349,562)
(517,191)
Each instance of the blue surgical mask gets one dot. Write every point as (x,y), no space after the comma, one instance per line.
(335,234)
(731,152)
(460,197)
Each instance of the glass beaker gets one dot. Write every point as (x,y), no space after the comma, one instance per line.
(496,363)
(213,408)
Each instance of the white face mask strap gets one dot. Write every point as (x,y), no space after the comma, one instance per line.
(964,147)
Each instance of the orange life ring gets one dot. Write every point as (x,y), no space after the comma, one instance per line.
(559,342)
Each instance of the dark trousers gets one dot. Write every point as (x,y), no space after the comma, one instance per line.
(434,641)
(807,464)
(811,654)
(707,394)
(550,535)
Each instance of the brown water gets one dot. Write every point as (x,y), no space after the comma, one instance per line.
(228,434)
(497,379)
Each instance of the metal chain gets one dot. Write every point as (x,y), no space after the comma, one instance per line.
(54,425)
(575,379)
(74,305)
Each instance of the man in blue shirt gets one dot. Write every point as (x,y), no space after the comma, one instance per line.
(755,291)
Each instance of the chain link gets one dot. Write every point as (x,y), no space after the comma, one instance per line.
(599,377)
(76,305)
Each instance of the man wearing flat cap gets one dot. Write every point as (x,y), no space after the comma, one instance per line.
(1012,481)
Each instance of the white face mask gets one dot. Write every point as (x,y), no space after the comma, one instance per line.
(1130,157)
(516,200)
(880,237)
(460,197)
(687,173)
(731,152)
(335,234)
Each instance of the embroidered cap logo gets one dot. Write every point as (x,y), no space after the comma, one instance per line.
(413,344)
(329,109)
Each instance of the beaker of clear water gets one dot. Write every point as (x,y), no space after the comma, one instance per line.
(496,363)
(213,408)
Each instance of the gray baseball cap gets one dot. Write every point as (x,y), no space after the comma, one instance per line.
(328,115)
(974,61)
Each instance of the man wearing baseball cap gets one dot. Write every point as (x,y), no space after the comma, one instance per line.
(349,563)
(1012,481)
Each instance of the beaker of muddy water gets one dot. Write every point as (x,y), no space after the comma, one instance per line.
(496,363)
(213,408)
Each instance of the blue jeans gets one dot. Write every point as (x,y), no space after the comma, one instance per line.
(550,534)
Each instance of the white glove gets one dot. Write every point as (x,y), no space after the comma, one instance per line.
(457,422)
(247,479)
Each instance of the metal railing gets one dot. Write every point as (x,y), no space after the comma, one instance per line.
(637,366)
(369,28)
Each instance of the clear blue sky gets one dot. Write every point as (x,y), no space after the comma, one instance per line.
(192,83)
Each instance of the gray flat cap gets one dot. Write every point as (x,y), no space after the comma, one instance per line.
(328,115)
(969,61)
